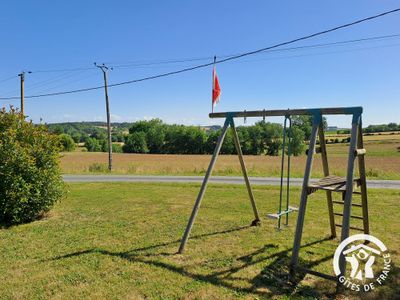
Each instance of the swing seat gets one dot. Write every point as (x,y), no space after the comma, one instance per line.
(278,215)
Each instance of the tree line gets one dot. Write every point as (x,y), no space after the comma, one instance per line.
(154,136)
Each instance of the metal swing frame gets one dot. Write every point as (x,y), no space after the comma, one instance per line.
(345,186)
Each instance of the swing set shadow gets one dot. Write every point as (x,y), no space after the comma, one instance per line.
(277,283)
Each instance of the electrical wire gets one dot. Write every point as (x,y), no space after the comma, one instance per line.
(218,61)
(142,64)
(8,78)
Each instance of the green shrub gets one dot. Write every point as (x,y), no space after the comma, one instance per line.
(98,168)
(30,180)
(116,148)
(136,143)
(297,144)
(67,143)
(92,145)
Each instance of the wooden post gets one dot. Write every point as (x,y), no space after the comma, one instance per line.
(324,157)
(256,221)
(361,171)
(304,193)
(349,187)
(204,186)
(22,77)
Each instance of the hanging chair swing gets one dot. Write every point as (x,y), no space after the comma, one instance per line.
(284,208)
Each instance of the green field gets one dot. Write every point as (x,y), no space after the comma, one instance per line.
(119,240)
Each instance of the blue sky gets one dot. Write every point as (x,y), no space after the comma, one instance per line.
(50,35)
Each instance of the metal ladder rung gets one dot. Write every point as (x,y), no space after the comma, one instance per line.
(354,217)
(353,204)
(354,228)
(277,215)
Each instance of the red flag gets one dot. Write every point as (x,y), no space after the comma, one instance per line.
(216,90)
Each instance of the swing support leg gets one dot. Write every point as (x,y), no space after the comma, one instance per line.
(304,195)
(256,220)
(349,187)
(204,186)
(228,122)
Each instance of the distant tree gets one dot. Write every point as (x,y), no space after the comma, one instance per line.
(244,139)
(76,136)
(93,145)
(116,148)
(193,140)
(67,143)
(305,122)
(58,129)
(144,126)
(135,143)
(297,144)
(228,146)
(272,137)
(392,126)
(99,134)
(103,145)
(155,138)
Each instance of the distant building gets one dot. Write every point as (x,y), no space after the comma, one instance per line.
(211,128)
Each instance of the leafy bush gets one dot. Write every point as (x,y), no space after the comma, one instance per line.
(67,143)
(30,180)
(297,144)
(98,167)
(116,148)
(136,143)
(92,145)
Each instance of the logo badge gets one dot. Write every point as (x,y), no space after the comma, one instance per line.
(367,261)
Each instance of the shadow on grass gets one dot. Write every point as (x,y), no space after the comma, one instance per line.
(273,279)
(199,236)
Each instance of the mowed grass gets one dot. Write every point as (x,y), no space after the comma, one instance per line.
(119,240)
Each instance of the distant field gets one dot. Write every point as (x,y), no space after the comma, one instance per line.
(382,162)
(119,241)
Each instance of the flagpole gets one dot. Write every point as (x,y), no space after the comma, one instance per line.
(212,90)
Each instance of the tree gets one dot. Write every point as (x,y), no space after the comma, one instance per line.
(92,145)
(155,138)
(297,142)
(30,177)
(116,148)
(67,143)
(76,136)
(271,137)
(305,122)
(228,146)
(135,143)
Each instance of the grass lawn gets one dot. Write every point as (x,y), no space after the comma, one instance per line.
(119,240)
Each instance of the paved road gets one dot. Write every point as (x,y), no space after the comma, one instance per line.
(387,184)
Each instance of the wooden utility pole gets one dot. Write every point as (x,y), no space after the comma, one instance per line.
(104,69)
(22,77)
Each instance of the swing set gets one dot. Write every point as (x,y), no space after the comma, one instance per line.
(330,183)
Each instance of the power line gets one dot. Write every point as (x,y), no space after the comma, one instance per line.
(64,70)
(143,64)
(8,78)
(318,54)
(67,74)
(234,57)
